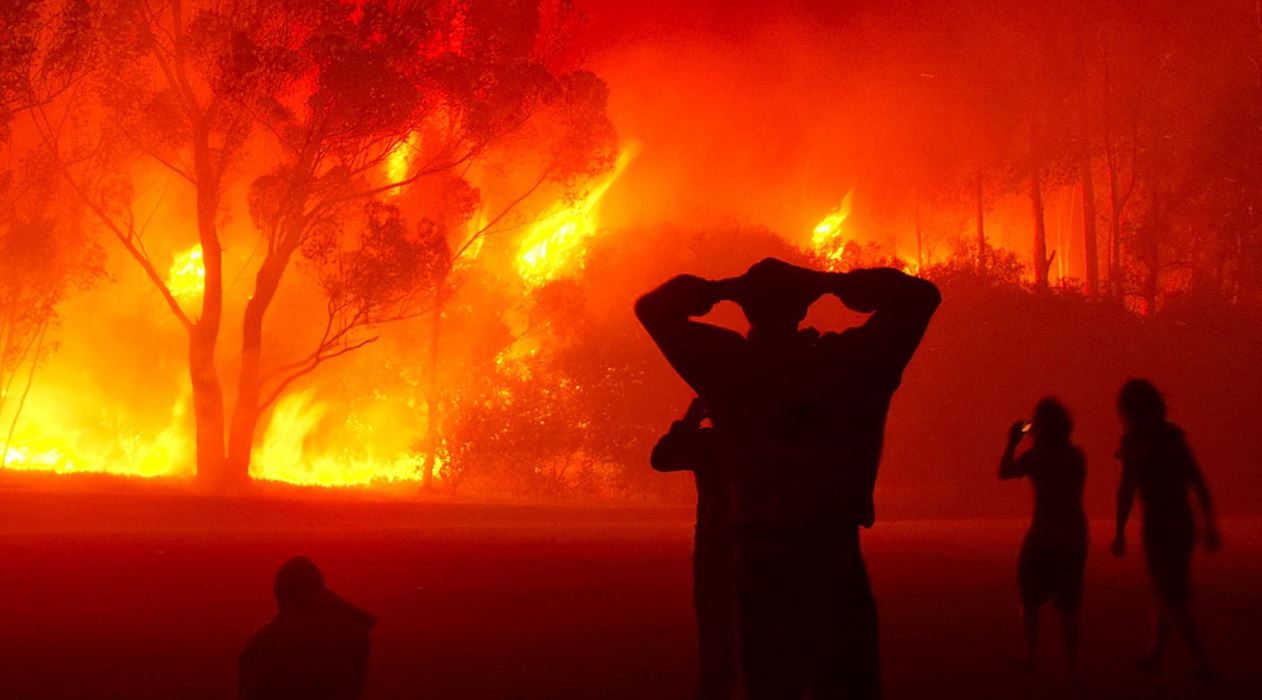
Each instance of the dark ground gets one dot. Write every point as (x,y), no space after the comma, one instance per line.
(134,596)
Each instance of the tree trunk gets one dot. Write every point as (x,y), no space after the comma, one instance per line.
(433,397)
(1150,249)
(207,392)
(1090,247)
(207,410)
(981,225)
(1115,233)
(247,411)
(1040,231)
(1089,243)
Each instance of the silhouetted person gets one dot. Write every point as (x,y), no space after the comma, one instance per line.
(800,418)
(1157,462)
(1055,549)
(315,648)
(690,447)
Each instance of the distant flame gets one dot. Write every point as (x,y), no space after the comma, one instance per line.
(186,278)
(399,160)
(556,245)
(826,239)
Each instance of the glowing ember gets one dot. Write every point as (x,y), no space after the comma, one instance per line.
(826,239)
(186,278)
(556,244)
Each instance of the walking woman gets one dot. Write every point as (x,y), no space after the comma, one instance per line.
(1157,462)
(1055,549)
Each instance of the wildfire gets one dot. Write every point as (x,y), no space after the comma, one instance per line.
(556,244)
(186,278)
(43,442)
(826,239)
(399,160)
(290,451)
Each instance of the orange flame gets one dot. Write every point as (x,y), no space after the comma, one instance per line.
(826,239)
(399,160)
(556,245)
(186,278)
(290,451)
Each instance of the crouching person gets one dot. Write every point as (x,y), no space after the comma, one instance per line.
(315,647)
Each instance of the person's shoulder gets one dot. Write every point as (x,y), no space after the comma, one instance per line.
(261,641)
(1173,432)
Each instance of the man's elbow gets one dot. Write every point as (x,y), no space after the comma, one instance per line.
(926,294)
(647,310)
(660,458)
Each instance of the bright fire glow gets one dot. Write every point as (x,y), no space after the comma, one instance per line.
(399,160)
(186,278)
(291,452)
(556,245)
(827,240)
(43,441)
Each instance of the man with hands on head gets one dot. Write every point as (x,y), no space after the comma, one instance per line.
(799,417)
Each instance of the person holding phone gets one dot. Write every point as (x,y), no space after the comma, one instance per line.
(1055,550)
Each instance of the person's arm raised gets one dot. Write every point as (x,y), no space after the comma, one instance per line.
(694,349)
(901,306)
(1009,466)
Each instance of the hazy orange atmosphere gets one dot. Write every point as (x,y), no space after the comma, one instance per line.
(840,134)
(332,271)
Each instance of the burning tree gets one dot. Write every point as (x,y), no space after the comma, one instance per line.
(42,259)
(316,98)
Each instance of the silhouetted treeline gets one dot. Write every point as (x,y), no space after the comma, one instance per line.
(997,345)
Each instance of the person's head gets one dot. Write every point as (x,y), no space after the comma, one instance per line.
(1140,404)
(298,581)
(775,297)
(1052,422)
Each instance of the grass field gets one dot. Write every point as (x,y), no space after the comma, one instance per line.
(151,596)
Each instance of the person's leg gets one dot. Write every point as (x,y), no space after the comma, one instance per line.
(847,663)
(714,599)
(1033,586)
(1068,601)
(1180,619)
(1158,641)
(1030,623)
(1178,610)
(771,652)
(1069,639)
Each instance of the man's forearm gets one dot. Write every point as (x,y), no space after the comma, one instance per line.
(871,289)
(676,301)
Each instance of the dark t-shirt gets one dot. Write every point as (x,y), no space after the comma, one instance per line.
(696,449)
(1058,474)
(800,425)
(315,651)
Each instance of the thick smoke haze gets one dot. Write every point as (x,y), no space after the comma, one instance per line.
(742,125)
